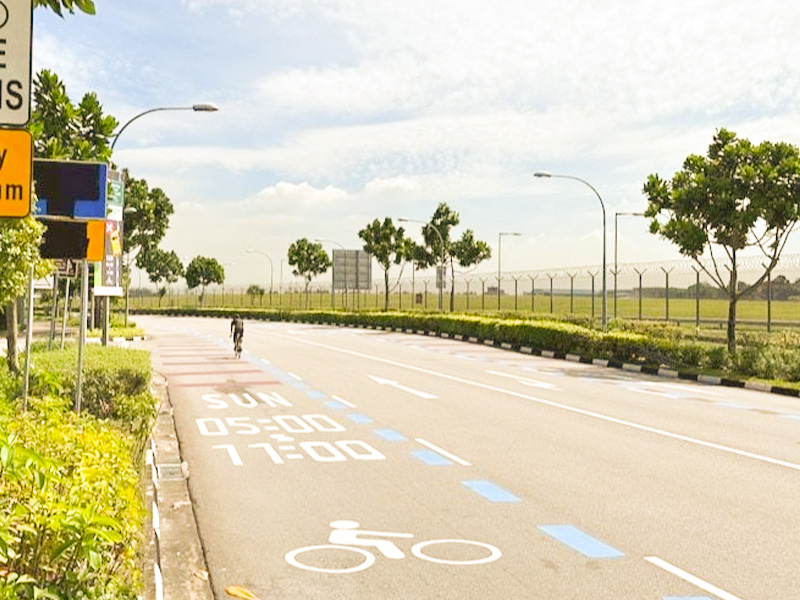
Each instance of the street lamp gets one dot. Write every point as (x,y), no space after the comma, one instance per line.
(616,270)
(333,289)
(499,271)
(441,239)
(251,251)
(203,107)
(603,207)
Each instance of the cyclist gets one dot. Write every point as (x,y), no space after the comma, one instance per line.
(237,333)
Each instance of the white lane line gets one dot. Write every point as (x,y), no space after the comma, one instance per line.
(345,402)
(572,409)
(449,455)
(696,581)
(293,376)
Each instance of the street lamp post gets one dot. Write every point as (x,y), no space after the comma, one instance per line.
(603,207)
(201,107)
(616,269)
(499,270)
(441,240)
(251,251)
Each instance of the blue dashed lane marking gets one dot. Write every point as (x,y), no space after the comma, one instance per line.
(390,435)
(299,386)
(360,418)
(335,405)
(315,394)
(434,459)
(490,491)
(581,541)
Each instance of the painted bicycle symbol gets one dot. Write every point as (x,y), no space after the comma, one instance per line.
(346,536)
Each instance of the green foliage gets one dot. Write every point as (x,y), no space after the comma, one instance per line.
(146,221)
(203,271)
(62,130)
(161,266)
(56,6)
(467,251)
(19,249)
(388,245)
(70,512)
(308,259)
(740,195)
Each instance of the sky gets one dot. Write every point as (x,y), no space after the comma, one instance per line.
(335,112)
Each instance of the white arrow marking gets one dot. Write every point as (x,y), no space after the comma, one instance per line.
(526,381)
(418,393)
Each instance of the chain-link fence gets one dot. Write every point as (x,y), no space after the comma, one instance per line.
(678,291)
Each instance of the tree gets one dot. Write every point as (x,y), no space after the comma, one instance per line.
(739,196)
(308,260)
(146,217)
(467,251)
(86,6)
(256,290)
(388,245)
(162,266)
(62,130)
(203,271)
(19,251)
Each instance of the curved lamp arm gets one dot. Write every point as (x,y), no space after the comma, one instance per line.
(205,107)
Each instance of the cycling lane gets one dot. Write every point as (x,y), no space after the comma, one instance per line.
(272,463)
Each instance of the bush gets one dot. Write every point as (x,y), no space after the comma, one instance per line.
(71,517)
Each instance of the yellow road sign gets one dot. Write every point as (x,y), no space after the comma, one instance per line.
(16,160)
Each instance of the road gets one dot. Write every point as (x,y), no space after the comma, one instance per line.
(556,479)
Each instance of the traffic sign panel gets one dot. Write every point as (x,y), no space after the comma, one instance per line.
(16,30)
(16,158)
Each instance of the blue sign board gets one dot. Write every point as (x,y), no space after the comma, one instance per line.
(71,189)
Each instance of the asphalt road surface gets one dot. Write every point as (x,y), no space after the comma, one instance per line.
(340,463)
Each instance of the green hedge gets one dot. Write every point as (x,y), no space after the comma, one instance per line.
(650,344)
(71,510)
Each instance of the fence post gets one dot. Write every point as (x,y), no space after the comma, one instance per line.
(483,294)
(467,282)
(551,291)
(516,292)
(571,291)
(697,297)
(533,292)
(640,273)
(593,275)
(666,293)
(425,303)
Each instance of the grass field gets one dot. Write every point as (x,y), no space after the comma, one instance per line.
(713,312)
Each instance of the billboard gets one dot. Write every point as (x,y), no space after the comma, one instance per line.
(352,270)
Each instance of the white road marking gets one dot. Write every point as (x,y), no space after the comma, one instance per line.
(696,581)
(572,409)
(449,455)
(345,402)
(394,384)
(526,381)
(297,377)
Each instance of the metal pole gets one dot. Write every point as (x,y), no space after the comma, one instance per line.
(53,312)
(28,340)
(82,336)
(66,310)
(603,207)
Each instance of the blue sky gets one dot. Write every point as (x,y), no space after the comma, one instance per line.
(335,112)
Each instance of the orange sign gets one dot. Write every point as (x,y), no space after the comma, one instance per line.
(16,159)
